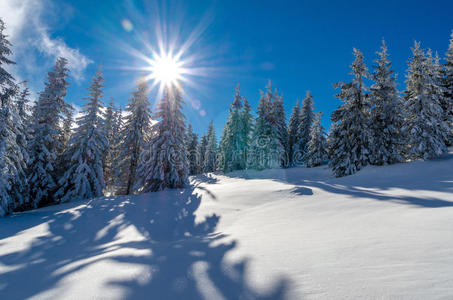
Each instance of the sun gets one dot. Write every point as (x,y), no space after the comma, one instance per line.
(166,69)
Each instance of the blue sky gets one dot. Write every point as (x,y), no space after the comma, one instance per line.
(299,45)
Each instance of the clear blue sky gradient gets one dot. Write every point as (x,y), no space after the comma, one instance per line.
(299,45)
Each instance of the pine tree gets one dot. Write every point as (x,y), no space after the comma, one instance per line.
(386,112)
(246,130)
(135,135)
(202,151)
(447,104)
(24,108)
(316,148)
(293,135)
(210,157)
(277,119)
(62,163)
(266,149)
(11,171)
(84,178)
(46,129)
(233,143)
(192,151)
(22,127)
(424,128)
(164,161)
(306,120)
(350,135)
(438,88)
(108,128)
(68,121)
(12,176)
(115,150)
(7,84)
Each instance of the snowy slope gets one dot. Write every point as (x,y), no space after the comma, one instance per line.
(383,233)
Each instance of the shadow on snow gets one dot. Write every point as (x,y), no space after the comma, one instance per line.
(432,176)
(182,259)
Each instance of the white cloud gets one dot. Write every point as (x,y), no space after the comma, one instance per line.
(28,32)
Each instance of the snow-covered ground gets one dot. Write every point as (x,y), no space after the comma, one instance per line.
(383,233)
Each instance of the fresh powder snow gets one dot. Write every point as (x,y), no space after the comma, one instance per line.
(297,233)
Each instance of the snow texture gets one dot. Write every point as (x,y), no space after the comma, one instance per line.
(297,233)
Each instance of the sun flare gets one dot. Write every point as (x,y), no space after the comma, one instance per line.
(166,69)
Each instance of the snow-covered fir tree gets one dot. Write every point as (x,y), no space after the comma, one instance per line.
(293,135)
(386,113)
(23,136)
(12,176)
(115,149)
(203,145)
(266,149)
(164,162)
(46,129)
(233,143)
(192,151)
(68,121)
(246,129)
(277,119)
(8,86)
(108,158)
(210,156)
(424,128)
(135,135)
(306,120)
(24,110)
(316,148)
(62,163)
(23,106)
(84,179)
(447,103)
(349,137)
(437,86)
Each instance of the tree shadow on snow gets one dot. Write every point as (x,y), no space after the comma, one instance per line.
(180,257)
(373,181)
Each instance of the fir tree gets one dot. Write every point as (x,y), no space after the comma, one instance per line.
(438,88)
(135,134)
(115,149)
(7,84)
(386,110)
(24,108)
(306,120)
(277,119)
(316,148)
(266,149)
(12,176)
(293,135)
(46,129)
(164,161)
(233,143)
(84,178)
(350,135)
(210,157)
(192,151)
(11,171)
(447,104)
(246,129)
(68,121)
(424,128)
(22,127)
(108,128)
(62,163)
(202,151)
